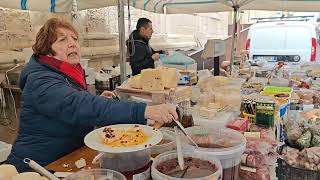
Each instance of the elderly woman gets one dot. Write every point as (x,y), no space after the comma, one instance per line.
(57,111)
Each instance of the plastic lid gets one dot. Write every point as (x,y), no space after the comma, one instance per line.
(221,141)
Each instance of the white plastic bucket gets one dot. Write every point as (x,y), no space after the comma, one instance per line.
(230,157)
(164,157)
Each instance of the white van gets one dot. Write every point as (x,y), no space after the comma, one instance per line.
(293,42)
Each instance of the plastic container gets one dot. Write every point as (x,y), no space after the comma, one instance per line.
(251,118)
(168,144)
(157,175)
(286,172)
(96,174)
(239,124)
(125,162)
(220,119)
(278,89)
(229,146)
(276,94)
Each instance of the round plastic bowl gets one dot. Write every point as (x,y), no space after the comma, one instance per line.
(94,174)
(164,157)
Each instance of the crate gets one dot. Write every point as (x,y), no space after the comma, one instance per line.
(251,118)
(278,89)
(286,172)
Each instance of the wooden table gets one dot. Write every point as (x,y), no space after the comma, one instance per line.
(87,154)
(84,152)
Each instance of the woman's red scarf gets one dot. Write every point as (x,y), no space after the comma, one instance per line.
(74,72)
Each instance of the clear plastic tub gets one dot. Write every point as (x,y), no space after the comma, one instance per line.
(167,143)
(94,174)
(125,162)
(221,119)
(225,144)
(157,175)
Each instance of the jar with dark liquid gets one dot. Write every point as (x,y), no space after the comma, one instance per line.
(186,120)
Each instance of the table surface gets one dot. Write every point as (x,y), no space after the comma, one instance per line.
(85,153)
(70,159)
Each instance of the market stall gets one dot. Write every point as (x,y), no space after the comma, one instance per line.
(241,123)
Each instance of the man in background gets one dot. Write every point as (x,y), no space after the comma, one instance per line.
(141,55)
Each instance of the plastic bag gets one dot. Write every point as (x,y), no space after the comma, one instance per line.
(256,159)
(177,58)
(315,142)
(247,173)
(293,131)
(305,140)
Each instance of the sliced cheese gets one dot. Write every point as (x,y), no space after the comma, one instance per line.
(135,81)
(152,80)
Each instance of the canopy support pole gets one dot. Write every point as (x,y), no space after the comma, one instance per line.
(235,16)
(122,45)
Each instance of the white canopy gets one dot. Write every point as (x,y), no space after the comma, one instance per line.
(162,6)
(205,6)
(166,6)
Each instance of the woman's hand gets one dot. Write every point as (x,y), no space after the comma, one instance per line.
(161,113)
(107,94)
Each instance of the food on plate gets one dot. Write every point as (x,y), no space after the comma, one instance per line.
(197,168)
(120,137)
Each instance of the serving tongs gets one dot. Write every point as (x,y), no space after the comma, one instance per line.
(181,128)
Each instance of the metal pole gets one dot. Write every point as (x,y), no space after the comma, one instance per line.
(235,15)
(122,45)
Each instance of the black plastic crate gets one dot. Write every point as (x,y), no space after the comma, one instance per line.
(286,172)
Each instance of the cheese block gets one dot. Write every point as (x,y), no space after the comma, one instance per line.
(7,171)
(152,80)
(170,76)
(135,81)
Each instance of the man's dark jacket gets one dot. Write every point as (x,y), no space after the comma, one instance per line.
(140,53)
